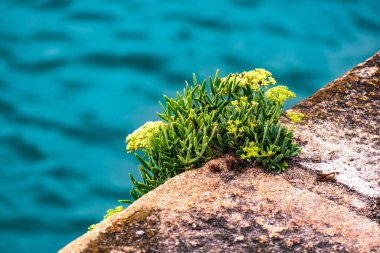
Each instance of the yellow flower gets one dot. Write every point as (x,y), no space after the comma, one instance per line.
(279,94)
(111,212)
(251,151)
(263,72)
(243,99)
(294,116)
(92,227)
(232,126)
(242,82)
(271,80)
(254,79)
(141,137)
(252,123)
(237,122)
(232,129)
(235,103)
(254,103)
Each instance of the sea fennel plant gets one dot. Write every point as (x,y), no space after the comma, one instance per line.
(237,114)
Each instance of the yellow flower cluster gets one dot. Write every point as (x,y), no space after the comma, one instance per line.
(254,79)
(109,213)
(235,103)
(254,103)
(294,116)
(141,137)
(279,94)
(241,102)
(251,151)
(233,126)
(243,99)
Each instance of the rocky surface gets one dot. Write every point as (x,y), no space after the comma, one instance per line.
(327,201)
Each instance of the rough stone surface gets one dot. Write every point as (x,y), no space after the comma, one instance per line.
(226,207)
(342,128)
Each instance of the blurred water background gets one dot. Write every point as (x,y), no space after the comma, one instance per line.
(77,76)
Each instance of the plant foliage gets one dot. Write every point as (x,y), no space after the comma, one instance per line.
(237,114)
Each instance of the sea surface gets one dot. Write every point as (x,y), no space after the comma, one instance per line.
(77,76)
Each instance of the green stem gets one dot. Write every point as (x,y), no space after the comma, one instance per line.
(275,113)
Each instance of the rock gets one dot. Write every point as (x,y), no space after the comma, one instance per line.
(224,207)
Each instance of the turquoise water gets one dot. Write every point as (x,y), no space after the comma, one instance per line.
(77,76)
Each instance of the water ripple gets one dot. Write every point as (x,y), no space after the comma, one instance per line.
(131,35)
(6,107)
(89,133)
(139,61)
(277,29)
(32,224)
(5,54)
(54,4)
(246,3)
(10,37)
(50,36)
(53,199)
(62,173)
(208,23)
(39,66)
(237,62)
(89,16)
(25,150)
(366,23)
(175,77)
